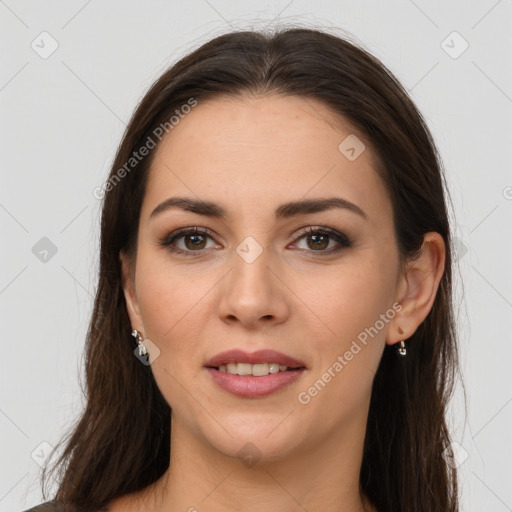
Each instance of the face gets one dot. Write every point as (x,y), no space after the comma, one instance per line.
(317,286)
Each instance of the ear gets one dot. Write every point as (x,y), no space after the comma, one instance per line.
(418,287)
(132,306)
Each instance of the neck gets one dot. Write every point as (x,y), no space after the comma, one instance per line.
(325,477)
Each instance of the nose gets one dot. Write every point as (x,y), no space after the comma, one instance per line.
(254,292)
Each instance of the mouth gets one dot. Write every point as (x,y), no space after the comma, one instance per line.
(275,361)
(252,375)
(255,370)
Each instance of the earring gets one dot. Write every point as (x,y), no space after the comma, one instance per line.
(142,348)
(401,350)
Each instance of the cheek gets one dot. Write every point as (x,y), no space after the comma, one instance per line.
(348,300)
(165,291)
(353,305)
(171,302)
(172,306)
(340,382)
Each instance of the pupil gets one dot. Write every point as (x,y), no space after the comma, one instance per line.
(196,237)
(315,237)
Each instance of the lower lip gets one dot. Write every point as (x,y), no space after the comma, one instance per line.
(248,386)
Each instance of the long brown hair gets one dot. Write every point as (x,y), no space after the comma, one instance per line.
(121,441)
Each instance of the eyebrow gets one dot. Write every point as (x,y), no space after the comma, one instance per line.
(284,211)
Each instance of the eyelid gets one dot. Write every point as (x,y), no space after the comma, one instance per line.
(339,237)
(186,231)
(343,241)
(324,230)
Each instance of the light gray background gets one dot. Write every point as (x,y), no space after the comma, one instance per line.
(62,118)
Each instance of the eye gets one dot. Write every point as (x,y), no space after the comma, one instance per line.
(320,238)
(195,236)
(195,240)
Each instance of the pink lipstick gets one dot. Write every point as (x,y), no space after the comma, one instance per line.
(256,374)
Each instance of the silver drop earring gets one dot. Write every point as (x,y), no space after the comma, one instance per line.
(401,350)
(142,348)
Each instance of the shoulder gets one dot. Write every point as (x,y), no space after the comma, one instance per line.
(49,506)
(55,506)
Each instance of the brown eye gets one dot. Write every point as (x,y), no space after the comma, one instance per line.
(318,239)
(195,240)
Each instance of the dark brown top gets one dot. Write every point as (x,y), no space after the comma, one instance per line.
(54,506)
(49,506)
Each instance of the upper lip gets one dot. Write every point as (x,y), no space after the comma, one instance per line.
(260,356)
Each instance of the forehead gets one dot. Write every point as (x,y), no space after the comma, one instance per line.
(249,152)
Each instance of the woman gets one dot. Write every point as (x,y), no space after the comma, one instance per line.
(273,325)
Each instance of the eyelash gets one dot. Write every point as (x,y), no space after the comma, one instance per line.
(340,238)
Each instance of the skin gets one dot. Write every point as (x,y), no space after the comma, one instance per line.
(251,154)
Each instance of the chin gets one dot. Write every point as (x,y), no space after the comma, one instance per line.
(254,439)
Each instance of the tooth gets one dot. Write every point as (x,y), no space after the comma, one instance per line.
(273,368)
(260,369)
(244,369)
(232,368)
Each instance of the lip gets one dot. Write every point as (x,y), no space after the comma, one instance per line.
(260,356)
(247,386)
